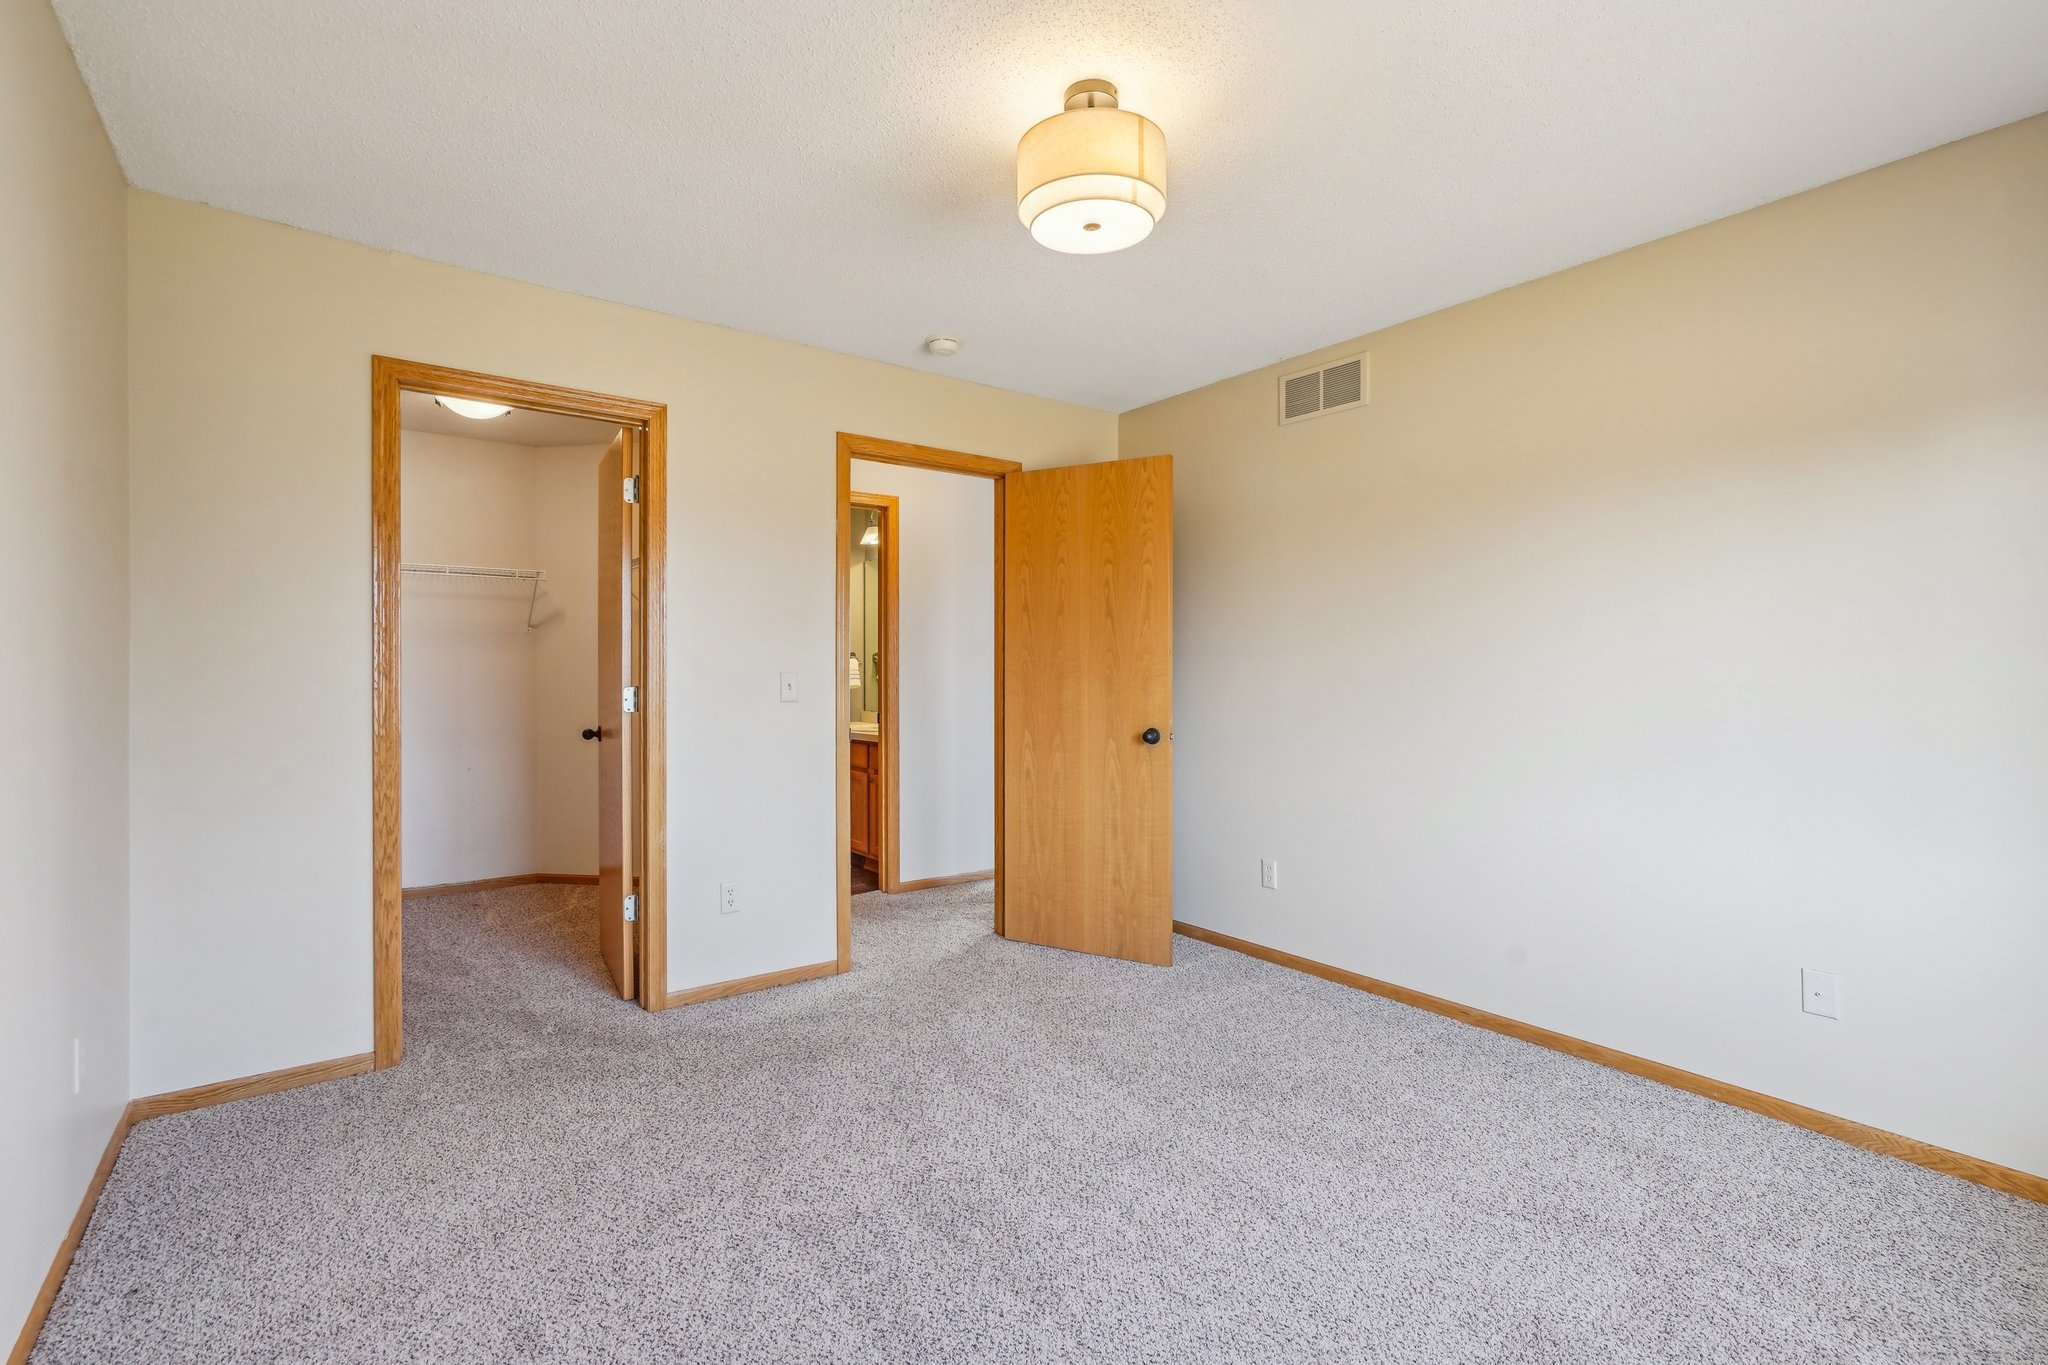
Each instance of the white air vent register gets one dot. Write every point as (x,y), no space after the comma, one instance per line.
(1327,388)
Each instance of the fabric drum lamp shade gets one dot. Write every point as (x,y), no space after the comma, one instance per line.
(1092,179)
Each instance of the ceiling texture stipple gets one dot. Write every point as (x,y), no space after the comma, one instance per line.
(844,175)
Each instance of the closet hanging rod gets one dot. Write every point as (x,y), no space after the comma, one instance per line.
(533,576)
(471,571)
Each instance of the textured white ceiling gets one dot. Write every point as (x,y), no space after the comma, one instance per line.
(519,427)
(840,173)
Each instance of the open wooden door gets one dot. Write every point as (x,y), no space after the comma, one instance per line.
(1087,693)
(615,765)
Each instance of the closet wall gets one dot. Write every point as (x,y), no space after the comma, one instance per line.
(497,780)
(565,658)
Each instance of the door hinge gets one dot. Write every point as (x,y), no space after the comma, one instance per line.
(633,488)
(632,909)
(631,701)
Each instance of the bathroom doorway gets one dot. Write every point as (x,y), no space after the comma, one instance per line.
(1077,619)
(920,723)
(874,799)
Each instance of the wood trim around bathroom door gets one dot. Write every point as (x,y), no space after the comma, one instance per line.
(851,448)
(388,379)
(888,838)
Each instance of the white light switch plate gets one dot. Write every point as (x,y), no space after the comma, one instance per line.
(789,687)
(1819,994)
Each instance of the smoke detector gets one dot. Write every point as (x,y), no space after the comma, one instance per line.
(942,344)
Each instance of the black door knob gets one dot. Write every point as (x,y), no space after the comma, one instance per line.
(597,735)
(1150,736)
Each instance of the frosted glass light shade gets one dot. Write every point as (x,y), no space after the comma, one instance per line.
(472,408)
(1092,179)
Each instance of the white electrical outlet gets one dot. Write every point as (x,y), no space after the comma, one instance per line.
(789,687)
(77,1065)
(1819,993)
(728,898)
(1269,873)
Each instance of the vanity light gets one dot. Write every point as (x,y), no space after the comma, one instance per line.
(852,671)
(469,407)
(1092,179)
(873,535)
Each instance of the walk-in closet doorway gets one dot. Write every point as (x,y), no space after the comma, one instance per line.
(518,733)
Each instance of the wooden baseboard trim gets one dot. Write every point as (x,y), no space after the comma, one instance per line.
(268,1083)
(156,1106)
(1970,1168)
(927,883)
(39,1309)
(494,883)
(721,990)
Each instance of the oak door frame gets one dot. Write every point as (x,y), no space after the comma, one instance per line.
(886,836)
(389,378)
(851,448)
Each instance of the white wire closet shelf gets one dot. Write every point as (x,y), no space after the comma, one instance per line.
(533,576)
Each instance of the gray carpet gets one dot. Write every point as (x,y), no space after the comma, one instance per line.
(969,1150)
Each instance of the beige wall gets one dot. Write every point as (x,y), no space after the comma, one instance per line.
(249,402)
(565,658)
(497,781)
(64,664)
(1664,626)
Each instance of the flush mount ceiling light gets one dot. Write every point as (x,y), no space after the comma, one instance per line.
(469,407)
(1092,179)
